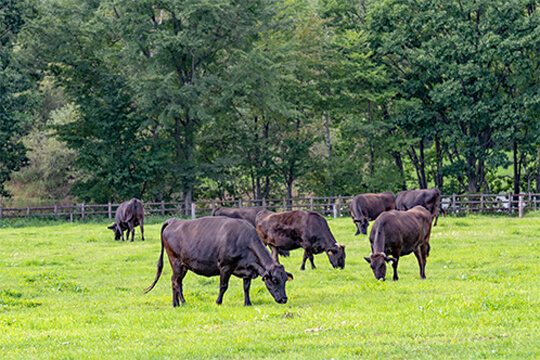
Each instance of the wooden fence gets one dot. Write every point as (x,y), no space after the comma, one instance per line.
(328,206)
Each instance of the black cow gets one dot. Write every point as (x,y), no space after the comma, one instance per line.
(212,246)
(428,198)
(366,207)
(246,213)
(249,214)
(399,233)
(295,229)
(128,215)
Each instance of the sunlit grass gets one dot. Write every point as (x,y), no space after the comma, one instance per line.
(70,291)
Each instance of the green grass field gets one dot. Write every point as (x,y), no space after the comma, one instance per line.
(69,291)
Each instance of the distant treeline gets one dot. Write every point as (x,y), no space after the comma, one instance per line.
(178,101)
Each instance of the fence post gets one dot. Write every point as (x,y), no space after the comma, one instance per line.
(264,203)
(109,210)
(284,204)
(311,203)
(55,210)
(339,204)
(162,207)
(193,210)
(28,211)
(521,206)
(213,205)
(510,203)
(482,202)
(334,206)
(240,202)
(454,203)
(82,211)
(0,211)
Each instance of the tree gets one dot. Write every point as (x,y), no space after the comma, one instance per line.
(457,66)
(119,158)
(14,81)
(176,53)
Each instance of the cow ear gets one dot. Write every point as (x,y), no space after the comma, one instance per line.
(289,276)
(390,260)
(367,259)
(330,252)
(266,276)
(111,227)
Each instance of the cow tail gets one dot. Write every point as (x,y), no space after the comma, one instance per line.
(160,261)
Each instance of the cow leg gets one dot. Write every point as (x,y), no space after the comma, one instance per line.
(179,272)
(307,255)
(142,230)
(420,256)
(247,285)
(225,275)
(394,266)
(131,228)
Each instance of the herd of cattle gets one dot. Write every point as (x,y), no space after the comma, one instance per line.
(232,241)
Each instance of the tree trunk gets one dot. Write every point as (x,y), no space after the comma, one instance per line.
(416,163)
(399,164)
(517,168)
(538,173)
(422,163)
(328,150)
(439,179)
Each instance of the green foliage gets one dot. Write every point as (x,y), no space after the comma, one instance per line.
(50,172)
(205,99)
(14,81)
(465,70)
(479,300)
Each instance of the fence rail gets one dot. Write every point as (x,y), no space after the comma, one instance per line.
(330,206)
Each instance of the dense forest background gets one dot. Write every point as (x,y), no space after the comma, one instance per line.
(104,100)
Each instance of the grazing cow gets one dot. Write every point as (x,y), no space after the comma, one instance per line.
(295,229)
(428,198)
(245,213)
(212,246)
(128,215)
(399,233)
(366,207)
(249,214)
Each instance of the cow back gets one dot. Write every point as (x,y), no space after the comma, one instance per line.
(428,198)
(372,205)
(248,214)
(400,231)
(291,230)
(205,243)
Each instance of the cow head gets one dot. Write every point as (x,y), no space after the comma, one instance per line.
(362,225)
(275,279)
(378,264)
(117,231)
(336,255)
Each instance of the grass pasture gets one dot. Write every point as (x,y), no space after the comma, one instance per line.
(69,291)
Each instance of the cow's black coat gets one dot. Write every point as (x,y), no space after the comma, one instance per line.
(212,246)
(366,207)
(428,198)
(291,230)
(128,215)
(399,233)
